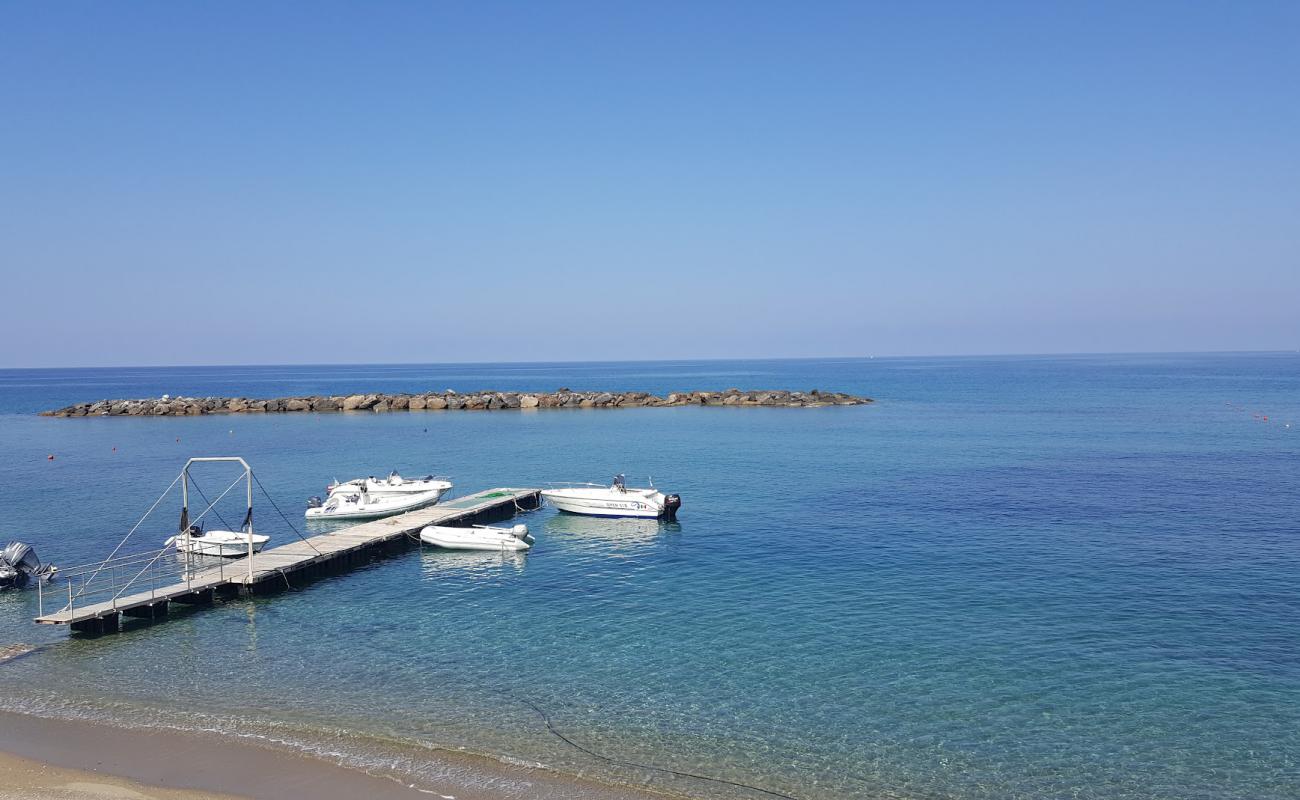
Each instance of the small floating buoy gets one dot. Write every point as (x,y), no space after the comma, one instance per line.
(178,440)
(50,457)
(114,449)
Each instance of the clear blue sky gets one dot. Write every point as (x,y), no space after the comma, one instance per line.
(316,182)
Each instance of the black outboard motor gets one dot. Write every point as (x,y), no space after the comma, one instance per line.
(18,562)
(671,503)
(313,502)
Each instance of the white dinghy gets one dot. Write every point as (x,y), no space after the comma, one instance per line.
(479,537)
(360,504)
(227,544)
(615,500)
(394,484)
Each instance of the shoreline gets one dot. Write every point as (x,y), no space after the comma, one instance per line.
(449,400)
(62,756)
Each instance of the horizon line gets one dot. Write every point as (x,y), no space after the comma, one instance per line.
(1063,354)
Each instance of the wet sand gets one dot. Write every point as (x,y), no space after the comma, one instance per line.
(35,780)
(72,760)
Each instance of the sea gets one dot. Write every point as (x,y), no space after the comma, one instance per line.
(1009,577)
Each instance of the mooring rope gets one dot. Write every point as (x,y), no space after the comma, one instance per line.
(140,522)
(222,519)
(258,481)
(550,726)
(146,567)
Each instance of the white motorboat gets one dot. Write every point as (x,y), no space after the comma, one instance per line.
(227,544)
(360,504)
(479,537)
(394,484)
(615,500)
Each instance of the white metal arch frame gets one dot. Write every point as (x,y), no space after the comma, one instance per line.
(248,480)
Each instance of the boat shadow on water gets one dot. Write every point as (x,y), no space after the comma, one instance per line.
(623,531)
(436,563)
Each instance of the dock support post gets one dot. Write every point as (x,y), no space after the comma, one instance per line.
(97,625)
(151,611)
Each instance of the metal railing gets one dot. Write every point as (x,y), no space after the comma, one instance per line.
(110,580)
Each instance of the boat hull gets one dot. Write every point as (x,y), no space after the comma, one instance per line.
(487,539)
(383,488)
(641,504)
(376,508)
(223,549)
(604,509)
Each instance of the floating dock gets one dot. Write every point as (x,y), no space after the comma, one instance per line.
(289,565)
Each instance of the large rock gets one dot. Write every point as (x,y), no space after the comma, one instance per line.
(528,401)
(297,404)
(416,403)
(353,402)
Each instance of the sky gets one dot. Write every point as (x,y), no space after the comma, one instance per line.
(289,182)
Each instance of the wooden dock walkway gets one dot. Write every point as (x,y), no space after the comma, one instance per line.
(281,567)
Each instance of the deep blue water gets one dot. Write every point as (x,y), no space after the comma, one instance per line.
(1009,578)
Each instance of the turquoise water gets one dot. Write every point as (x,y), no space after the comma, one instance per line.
(1009,578)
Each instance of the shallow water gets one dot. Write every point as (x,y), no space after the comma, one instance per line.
(1015,577)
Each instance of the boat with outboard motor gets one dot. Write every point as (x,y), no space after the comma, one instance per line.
(394,484)
(479,537)
(227,544)
(19,563)
(361,504)
(615,500)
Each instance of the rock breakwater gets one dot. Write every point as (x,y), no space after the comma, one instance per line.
(168,406)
